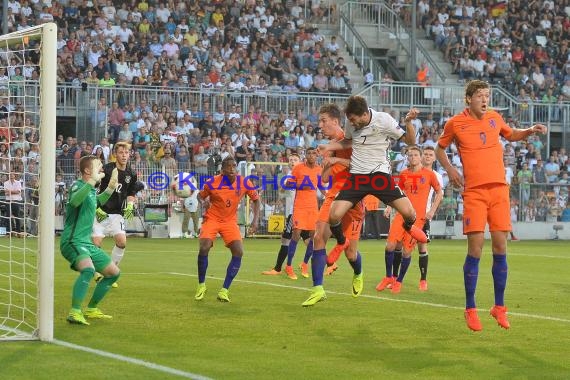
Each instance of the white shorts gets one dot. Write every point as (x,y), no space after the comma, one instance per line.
(113,225)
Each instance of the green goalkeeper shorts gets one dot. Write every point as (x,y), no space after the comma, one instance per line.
(74,253)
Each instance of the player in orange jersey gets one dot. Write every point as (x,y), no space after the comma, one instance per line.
(416,182)
(476,132)
(329,122)
(221,198)
(287,234)
(304,179)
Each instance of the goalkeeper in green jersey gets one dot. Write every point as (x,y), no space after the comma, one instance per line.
(112,216)
(76,245)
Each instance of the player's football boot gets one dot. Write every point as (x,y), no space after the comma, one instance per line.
(472,319)
(271,272)
(417,234)
(336,251)
(96,313)
(500,314)
(396,287)
(200,292)
(224,295)
(357,284)
(290,272)
(329,270)
(304,269)
(76,317)
(98,277)
(386,283)
(423,286)
(317,295)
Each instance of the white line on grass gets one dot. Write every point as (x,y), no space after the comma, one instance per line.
(430,304)
(122,358)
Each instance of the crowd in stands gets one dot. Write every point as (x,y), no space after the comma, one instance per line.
(234,45)
(520,45)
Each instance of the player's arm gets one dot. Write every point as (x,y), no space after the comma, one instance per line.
(521,134)
(79,193)
(435,204)
(111,185)
(443,142)
(335,145)
(410,136)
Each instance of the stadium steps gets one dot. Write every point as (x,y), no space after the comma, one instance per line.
(356,75)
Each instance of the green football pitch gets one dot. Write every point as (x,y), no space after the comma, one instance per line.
(160,332)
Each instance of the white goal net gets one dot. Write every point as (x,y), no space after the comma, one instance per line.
(28,61)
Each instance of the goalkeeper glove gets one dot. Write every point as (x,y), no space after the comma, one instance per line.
(113,181)
(100,214)
(129,211)
(96,174)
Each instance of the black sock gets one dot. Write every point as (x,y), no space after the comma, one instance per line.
(397,261)
(408,224)
(281,256)
(423,261)
(337,233)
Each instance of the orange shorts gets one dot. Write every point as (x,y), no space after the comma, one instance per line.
(399,234)
(351,221)
(228,231)
(304,219)
(487,204)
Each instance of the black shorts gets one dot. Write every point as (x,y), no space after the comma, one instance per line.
(288,230)
(378,184)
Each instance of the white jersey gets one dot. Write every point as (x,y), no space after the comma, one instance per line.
(432,191)
(370,144)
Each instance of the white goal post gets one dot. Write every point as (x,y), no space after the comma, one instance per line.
(28,68)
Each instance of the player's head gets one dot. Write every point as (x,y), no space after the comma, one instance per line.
(414,154)
(88,164)
(122,151)
(428,156)
(330,119)
(294,159)
(477,96)
(356,111)
(311,156)
(229,167)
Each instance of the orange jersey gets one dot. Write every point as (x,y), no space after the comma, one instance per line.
(338,172)
(479,146)
(416,186)
(371,203)
(307,181)
(225,197)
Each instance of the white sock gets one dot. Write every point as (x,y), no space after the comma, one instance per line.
(117,254)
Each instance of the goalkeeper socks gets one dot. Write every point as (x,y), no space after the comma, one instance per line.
(423,262)
(499,271)
(336,230)
(101,289)
(81,287)
(470,275)
(232,271)
(356,264)
(281,256)
(202,268)
(117,254)
(404,268)
(389,261)
(318,264)
(291,251)
(308,252)
(396,262)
